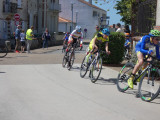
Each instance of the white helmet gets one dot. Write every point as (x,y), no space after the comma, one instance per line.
(78,28)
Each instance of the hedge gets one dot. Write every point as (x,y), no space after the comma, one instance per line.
(116,46)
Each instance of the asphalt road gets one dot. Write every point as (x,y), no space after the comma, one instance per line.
(42,90)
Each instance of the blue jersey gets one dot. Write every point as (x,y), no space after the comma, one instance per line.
(127,43)
(66,36)
(145,44)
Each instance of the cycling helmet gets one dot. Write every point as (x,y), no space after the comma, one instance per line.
(78,28)
(106,31)
(154,33)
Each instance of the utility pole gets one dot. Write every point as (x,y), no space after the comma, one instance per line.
(72,15)
(76,17)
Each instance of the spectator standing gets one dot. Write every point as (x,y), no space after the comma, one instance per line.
(17,38)
(97,31)
(29,37)
(45,37)
(23,36)
(126,29)
(119,29)
(85,32)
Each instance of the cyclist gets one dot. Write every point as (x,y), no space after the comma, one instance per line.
(74,36)
(143,48)
(102,36)
(127,42)
(65,38)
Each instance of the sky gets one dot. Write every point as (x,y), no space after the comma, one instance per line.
(114,18)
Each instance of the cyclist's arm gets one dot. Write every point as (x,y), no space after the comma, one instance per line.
(106,47)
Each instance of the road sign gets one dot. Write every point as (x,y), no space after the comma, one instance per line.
(16,22)
(17,17)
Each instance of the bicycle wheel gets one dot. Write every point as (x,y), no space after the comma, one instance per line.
(3,51)
(71,61)
(84,67)
(123,76)
(96,70)
(65,60)
(149,86)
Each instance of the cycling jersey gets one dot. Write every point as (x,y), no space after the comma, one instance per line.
(66,37)
(145,44)
(99,39)
(76,35)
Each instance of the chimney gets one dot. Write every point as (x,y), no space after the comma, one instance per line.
(90,1)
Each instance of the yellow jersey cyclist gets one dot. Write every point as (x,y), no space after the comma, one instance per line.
(101,37)
(144,47)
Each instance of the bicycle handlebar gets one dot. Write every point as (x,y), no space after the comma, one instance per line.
(150,56)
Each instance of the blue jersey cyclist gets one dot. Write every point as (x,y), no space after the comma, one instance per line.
(65,39)
(127,41)
(144,47)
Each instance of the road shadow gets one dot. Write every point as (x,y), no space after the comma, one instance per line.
(103,81)
(21,56)
(2,72)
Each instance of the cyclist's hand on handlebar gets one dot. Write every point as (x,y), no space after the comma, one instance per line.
(150,52)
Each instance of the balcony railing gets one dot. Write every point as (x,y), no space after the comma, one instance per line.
(55,7)
(9,7)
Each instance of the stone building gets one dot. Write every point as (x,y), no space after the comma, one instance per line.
(44,14)
(8,8)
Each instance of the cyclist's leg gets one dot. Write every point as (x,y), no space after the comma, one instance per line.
(139,63)
(136,68)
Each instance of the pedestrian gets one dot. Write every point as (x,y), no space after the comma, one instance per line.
(17,38)
(97,31)
(45,37)
(29,37)
(126,29)
(119,29)
(23,36)
(85,31)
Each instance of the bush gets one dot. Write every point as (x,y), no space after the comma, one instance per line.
(116,46)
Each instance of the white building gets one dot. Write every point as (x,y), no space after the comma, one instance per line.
(85,14)
(65,25)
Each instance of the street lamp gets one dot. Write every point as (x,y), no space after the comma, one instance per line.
(72,14)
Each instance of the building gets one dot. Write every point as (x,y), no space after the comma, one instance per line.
(157,16)
(38,13)
(8,8)
(44,14)
(84,14)
(65,25)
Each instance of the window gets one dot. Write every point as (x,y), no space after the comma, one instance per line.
(52,1)
(19,2)
(94,13)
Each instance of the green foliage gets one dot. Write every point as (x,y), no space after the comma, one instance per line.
(116,46)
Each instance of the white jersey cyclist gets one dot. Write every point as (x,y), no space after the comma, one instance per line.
(76,34)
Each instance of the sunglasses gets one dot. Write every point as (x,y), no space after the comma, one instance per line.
(157,39)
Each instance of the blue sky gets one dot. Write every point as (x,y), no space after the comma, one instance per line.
(114,18)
